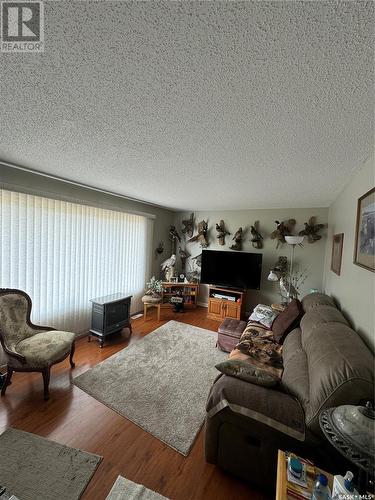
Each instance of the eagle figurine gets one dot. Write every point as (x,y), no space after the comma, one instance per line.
(221,232)
(283,228)
(201,237)
(188,226)
(168,263)
(256,237)
(311,230)
(173,234)
(237,238)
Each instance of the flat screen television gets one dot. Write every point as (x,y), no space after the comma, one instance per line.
(231,269)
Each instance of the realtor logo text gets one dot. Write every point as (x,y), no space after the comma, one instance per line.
(22,26)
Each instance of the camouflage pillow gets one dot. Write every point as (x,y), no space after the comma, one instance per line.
(245,370)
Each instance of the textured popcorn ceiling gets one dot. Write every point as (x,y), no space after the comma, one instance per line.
(196,105)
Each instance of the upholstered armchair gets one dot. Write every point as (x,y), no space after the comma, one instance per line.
(28,347)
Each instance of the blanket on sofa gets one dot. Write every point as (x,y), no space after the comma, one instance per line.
(258,346)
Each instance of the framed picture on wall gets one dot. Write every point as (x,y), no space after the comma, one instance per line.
(337,245)
(364,250)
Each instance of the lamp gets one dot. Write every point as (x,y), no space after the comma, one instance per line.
(293,241)
(350,429)
(272,276)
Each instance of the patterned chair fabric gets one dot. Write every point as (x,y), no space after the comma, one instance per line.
(13,324)
(29,347)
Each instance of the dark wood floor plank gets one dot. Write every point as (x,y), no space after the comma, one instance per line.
(74,418)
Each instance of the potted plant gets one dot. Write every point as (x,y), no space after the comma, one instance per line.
(154,287)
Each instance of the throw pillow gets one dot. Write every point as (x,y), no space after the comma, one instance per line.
(264,315)
(287,320)
(248,372)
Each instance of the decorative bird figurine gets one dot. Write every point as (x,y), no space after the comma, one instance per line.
(201,237)
(183,256)
(168,263)
(173,234)
(188,226)
(311,230)
(198,260)
(282,229)
(237,239)
(256,239)
(222,232)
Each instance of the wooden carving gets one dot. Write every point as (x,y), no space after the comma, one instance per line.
(174,236)
(281,266)
(256,237)
(188,226)
(237,238)
(201,237)
(283,229)
(221,232)
(183,256)
(311,230)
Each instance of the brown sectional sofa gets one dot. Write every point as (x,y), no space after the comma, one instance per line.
(326,364)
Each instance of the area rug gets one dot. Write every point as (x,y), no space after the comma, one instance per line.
(32,467)
(160,382)
(123,489)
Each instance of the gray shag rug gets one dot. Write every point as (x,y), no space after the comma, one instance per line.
(123,489)
(32,467)
(160,382)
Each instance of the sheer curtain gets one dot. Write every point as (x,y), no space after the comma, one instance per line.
(62,254)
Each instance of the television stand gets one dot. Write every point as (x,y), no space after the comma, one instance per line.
(225,303)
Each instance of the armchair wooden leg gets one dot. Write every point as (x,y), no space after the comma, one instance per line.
(72,364)
(7,380)
(46,377)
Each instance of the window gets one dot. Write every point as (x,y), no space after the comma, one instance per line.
(62,254)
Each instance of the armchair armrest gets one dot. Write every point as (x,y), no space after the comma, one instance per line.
(41,328)
(12,354)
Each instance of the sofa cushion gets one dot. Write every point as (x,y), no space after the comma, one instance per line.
(269,406)
(287,320)
(245,370)
(44,348)
(321,315)
(295,379)
(314,300)
(340,367)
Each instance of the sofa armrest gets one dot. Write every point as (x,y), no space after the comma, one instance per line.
(271,407)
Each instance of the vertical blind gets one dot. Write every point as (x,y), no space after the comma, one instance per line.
(62,254)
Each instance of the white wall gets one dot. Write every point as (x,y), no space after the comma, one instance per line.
(354,289)
(310,257)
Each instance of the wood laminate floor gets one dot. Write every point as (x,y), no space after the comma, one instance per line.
(74,418)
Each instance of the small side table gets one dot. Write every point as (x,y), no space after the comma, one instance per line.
(281,482)
(147,305)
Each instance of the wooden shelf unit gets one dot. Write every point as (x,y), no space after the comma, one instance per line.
(189,291)
(220,308)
